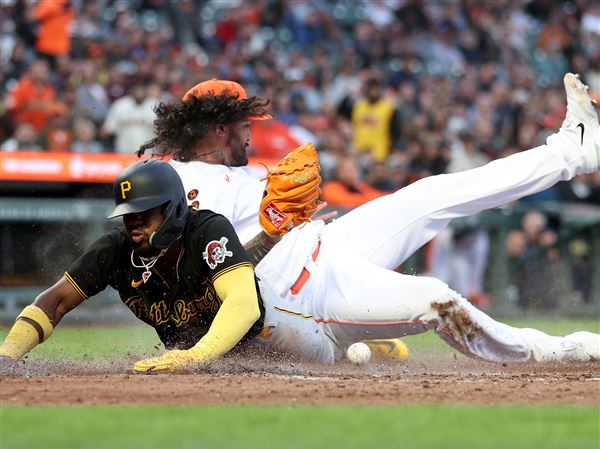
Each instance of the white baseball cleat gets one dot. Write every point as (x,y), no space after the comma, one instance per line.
(581,121)
(581,347)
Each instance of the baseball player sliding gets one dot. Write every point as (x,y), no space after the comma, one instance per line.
(181,270)
(323,287)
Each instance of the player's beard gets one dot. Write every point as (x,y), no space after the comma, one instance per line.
(238,155)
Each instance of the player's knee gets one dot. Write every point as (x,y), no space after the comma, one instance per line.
(454,319)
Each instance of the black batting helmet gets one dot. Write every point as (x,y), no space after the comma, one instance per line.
(148,184)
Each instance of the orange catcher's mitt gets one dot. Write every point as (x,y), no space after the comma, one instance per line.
(291,196)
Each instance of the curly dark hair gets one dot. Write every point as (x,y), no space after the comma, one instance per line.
(179,125)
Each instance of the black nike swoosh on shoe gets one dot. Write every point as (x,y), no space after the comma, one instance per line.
(582,131)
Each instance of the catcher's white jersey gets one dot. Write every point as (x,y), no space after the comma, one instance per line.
(234,192)
(327,286)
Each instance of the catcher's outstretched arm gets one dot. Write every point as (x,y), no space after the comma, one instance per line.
(36,322)
(258,247)
(291,197)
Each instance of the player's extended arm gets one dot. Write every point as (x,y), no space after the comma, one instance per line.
(238,312)
(37,321)
(258,247)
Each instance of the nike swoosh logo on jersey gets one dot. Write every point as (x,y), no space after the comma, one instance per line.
(136,284)
(227,178)
(582,131)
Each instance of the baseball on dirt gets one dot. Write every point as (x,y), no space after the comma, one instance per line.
(358,353)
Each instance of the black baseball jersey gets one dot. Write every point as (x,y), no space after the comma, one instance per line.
(181,304)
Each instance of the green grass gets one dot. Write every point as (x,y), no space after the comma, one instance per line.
(95,343)
(247,427)
(414,427)
(113,342)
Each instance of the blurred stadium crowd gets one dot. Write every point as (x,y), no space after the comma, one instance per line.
(389,91)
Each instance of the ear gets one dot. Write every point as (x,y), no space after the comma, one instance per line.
(220,130)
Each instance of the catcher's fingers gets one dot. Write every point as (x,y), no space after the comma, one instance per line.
(327,215)
(168,362)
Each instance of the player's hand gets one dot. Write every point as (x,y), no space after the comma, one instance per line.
(176,360)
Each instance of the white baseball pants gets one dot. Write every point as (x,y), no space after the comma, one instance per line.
(353,294)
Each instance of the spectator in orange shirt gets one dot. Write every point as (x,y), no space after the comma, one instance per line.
(58,135)
(32,100)
(54,19)
(346,189)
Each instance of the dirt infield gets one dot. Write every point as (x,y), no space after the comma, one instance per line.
(424,379)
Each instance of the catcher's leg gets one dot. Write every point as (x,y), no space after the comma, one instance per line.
(388,230)
(365,301)
(291,328)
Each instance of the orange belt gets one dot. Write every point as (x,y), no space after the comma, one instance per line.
(303,278)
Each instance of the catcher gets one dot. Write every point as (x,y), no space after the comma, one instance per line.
(326,286)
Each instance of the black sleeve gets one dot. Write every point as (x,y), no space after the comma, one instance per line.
(92,271)
(217,248)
